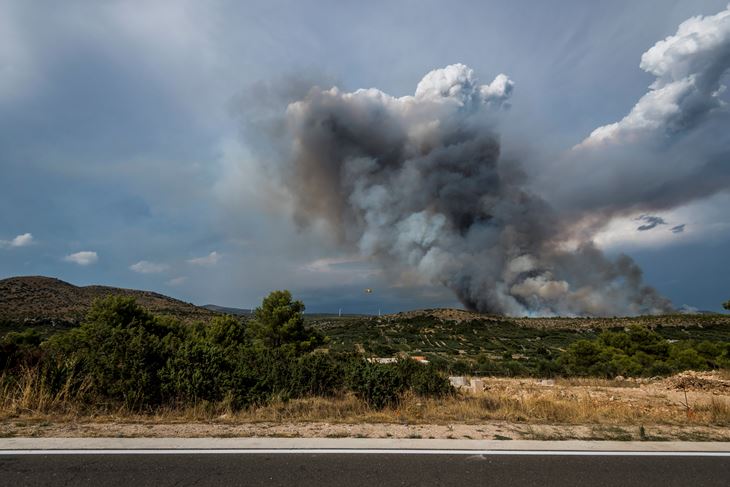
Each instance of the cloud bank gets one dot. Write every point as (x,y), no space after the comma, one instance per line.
(672,147)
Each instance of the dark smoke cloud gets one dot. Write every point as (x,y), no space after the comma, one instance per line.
(419,183)
(650,222)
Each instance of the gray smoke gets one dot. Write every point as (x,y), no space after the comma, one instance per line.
(419,184)
(650,222)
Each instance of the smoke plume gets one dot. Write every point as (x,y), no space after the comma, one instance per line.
(419,184)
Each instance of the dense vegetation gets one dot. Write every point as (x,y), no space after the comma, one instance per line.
(123,355)
(640,351)
(504,348)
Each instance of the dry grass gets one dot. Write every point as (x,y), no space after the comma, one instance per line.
(28,393)
(569,402)
(591,382)
(717,410)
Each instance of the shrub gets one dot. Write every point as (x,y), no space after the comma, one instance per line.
(379,385)
(259,375)
(120,348)
(427,381)
(318,374)
(19,349)
(197,371)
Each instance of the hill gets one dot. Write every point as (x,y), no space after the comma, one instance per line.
(699,318)
(47,301)
(467,342)
(228,310)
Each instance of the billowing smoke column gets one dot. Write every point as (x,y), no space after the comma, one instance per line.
(417,183)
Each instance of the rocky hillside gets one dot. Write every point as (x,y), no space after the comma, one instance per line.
(38,299)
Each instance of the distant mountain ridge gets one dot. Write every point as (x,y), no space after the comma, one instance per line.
(47,299)
(228,310)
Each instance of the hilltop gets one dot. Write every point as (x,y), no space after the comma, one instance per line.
(48,301)
(563,323)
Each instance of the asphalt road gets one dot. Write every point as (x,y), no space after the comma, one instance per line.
(354,469)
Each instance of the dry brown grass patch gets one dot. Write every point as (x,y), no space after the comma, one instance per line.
(574,402)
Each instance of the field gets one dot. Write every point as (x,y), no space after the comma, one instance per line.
(464,342)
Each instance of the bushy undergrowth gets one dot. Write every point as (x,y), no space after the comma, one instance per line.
(639,352)
(124,355)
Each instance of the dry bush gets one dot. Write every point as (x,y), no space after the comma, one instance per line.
(717,410)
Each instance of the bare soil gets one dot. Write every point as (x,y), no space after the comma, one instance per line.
(495,430)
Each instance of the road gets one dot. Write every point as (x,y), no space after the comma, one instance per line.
(160,462)
(360,469)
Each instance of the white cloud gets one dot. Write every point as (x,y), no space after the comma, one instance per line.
(176,281)
(700,221)
(457,82)
(20,241)
(689,67)
(146,267)
(210,259)
(85,257)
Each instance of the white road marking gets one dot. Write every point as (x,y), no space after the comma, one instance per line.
(356,451)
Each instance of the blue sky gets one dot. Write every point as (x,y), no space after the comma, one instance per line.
(120,135)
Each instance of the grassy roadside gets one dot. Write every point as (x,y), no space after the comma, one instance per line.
(510,408)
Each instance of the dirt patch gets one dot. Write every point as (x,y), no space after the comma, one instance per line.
(699,381)
(486,431)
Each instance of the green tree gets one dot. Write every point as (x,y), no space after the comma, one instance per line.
(726,304)
(279,323)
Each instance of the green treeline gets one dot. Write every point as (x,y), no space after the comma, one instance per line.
(634,352)
(640,352)
(124,355)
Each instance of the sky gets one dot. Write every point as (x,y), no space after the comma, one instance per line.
(127,156)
